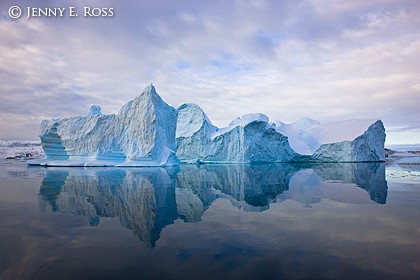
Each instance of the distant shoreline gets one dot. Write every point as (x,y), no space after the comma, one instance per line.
(404,147)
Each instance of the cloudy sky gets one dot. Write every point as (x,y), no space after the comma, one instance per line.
(325,59)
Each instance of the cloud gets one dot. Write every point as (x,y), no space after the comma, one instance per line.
(287,59)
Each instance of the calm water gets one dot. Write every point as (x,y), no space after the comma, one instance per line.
(326,221)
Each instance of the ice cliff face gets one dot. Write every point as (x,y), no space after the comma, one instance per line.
(249,138)
(141,134)
(147,129)
(193,133)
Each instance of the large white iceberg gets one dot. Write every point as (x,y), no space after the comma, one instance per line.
(141,134)
(149,132)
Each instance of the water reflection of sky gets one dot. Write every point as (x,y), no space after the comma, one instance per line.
(244,221)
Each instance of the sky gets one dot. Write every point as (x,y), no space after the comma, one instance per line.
(324,59)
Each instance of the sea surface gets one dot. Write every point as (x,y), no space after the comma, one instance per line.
(265,221)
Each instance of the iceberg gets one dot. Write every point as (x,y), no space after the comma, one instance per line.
(141,134)
(148,132)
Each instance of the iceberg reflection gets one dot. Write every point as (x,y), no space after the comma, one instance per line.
(145,200)
(369,176)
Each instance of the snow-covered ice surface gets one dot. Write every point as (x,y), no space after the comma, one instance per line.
(141,134)
(248,118)
(20,149)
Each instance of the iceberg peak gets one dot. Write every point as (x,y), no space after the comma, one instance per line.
(94,110)
(148,91)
